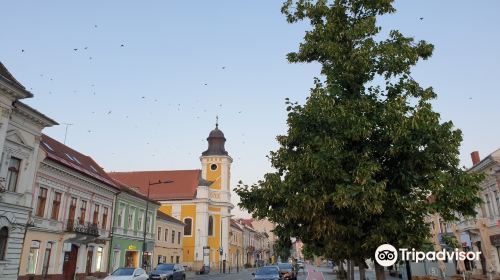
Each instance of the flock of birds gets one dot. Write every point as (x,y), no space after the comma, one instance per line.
(93,92)
(143,97)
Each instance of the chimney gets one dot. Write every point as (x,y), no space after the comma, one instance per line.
(475,157)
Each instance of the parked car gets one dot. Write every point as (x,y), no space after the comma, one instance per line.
(128,273)
(168,271)
(287,271)
(269,272)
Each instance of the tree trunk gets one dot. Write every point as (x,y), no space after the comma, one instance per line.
(341,273)
(361,266)
(379,271)
(352,270)
(348,274)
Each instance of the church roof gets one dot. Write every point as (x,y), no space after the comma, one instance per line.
(75,160)
(183,187)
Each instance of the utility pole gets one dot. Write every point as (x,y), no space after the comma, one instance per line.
(144,266)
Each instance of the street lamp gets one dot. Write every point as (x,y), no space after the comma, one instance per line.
(146,218)
(221,249)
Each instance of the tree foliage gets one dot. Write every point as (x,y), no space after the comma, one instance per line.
(365,152)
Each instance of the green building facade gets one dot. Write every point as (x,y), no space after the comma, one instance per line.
(129,221)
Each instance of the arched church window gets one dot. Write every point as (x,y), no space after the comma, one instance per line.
(187,226)
(210,225)
(4,235)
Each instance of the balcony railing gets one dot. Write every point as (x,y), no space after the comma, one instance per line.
(83,228)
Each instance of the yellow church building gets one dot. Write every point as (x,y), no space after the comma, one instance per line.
(200,198)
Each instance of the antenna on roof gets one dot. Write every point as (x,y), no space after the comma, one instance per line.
(66,132)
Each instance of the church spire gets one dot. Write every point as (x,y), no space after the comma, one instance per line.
(216,141)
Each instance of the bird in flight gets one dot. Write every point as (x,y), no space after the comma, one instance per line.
(122,45)
(22,50)
(75,50)
(421,18)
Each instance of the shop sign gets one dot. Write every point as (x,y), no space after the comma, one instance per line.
(132,247)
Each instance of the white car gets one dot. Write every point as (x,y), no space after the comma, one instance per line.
(128,273)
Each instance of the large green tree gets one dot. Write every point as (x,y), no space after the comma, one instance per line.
(366,152)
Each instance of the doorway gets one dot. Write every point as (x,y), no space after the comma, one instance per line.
(90,254)
(131,259)
(69,267)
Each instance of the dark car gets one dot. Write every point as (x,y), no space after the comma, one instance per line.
(267,273)
(287,271)
(168,271)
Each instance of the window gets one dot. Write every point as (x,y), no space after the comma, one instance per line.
(166,235)
(488,203)
(83,211)
(179,237)
(120,218)
(171,259)
(497,200)
(173,236)
(42,198)
(4,236)
(148,223)
(213,167)
(177,259)
(130,218)
(98,260)
(160,258)
(104,217)
(46,259)
(13,173)
(72,209)
(210,226)
(187,228)
(56,204)
(140,224)
(33,256)
(159,233)
(95,220)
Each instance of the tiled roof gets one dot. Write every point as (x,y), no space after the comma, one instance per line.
(168,218)
(7,76)
(184,185)
(235,224)
(246,222)
(65,155)
(133,192)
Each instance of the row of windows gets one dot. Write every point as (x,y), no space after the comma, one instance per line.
(56,207)
(165,236)
(163,259)
(132,219)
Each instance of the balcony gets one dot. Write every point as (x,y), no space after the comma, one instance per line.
(82,228)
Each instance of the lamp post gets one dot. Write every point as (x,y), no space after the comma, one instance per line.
(221,249)
(144,266)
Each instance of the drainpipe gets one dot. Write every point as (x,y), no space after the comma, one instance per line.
(112,224)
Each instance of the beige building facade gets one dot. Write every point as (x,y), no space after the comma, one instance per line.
(169,239)
(235,246)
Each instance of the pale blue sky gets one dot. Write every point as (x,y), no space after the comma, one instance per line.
(173,48)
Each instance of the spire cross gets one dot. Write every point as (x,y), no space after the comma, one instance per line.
(217,121)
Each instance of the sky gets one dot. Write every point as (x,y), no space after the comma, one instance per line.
(141,82)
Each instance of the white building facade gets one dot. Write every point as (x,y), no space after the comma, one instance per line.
(20,132)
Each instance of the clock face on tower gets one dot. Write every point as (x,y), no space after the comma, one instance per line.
(213,167)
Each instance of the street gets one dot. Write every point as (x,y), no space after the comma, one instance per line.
(312,273)
(246,274)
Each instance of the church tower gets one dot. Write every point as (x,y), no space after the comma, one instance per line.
(216,169)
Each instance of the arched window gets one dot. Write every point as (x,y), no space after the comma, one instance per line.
(4,235)
(210,225)
(187,227)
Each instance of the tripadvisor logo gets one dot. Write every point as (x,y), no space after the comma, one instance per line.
(387,255)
